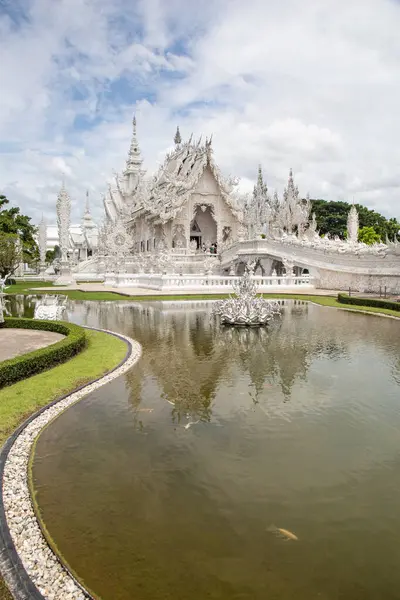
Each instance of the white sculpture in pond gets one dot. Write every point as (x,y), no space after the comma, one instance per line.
(51,308)
(246,309)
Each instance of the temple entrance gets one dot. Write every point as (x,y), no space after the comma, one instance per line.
(197,240)
(195,234)
(203,228)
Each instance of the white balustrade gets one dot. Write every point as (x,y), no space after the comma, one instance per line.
(204,283)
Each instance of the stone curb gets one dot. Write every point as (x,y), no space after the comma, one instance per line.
(39,574)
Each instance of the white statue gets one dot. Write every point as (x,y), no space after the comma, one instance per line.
(352,225)
(51,308)
(42,235)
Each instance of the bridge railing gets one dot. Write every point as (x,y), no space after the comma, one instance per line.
(202,283)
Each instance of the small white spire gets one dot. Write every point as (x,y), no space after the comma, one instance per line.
(134,161)
(178,137)
(87,207)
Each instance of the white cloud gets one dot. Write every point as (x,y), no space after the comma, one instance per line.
(314,86)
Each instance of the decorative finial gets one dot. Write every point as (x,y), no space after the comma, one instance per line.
(177,138)
(260,176)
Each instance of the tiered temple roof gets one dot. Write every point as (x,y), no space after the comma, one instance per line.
(165,195)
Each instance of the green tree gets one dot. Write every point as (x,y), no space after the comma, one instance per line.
(368,235)
(332,218)
(51,255)
(14,223)
(10,255)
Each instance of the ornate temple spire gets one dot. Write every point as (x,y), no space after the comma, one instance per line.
(293,214)
(87,207)
(133,171)
(177,138)
(260,187)
(259,209)
(260,176)
(352,225)
(134,162)
(42,235)
(291,186)
(87,217)
(63,222)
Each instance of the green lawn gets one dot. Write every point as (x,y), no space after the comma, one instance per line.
(18,401)
(23,287)
(332,301)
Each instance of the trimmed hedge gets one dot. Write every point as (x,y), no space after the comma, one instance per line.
(345,299)
(21,367)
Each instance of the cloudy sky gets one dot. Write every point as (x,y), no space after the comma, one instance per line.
(312,85)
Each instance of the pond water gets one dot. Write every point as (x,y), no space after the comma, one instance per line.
(166,483)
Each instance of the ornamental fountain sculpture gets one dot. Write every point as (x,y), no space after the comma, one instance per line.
(246,309)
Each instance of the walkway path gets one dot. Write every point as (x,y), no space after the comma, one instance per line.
(14,342)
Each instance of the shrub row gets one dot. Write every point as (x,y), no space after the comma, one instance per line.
(23,366)
(345,299)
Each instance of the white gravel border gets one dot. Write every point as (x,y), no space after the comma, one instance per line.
(39,561)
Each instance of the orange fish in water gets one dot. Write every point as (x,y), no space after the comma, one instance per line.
(284,533)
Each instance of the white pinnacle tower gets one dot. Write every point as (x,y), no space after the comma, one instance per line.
(64,222)
(352,225)
(134,161)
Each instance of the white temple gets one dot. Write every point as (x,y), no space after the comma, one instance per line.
(188,227)
(187,205)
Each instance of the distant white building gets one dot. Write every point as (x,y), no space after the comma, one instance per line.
(83,237)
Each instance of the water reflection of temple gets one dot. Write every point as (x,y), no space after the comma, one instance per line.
(188,355)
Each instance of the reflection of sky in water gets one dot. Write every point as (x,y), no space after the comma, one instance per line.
(297,424)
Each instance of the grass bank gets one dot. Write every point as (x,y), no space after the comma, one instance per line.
(18,401)
(333,302)
(23,287)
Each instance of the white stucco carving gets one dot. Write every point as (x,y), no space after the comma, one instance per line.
(50,308)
